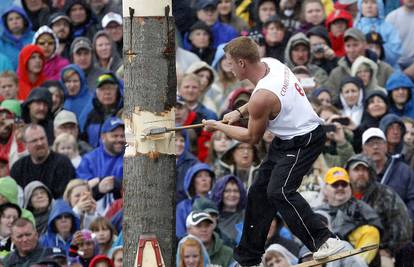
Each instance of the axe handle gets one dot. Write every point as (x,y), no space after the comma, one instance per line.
(192,126)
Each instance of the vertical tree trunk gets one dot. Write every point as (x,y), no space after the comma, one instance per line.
(150,85)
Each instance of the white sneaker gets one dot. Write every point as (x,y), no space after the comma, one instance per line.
(330,247)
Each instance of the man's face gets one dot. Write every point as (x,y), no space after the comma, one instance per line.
(235,66)
(33,5)
(77,14)
(300,55)
(115,31)
(38,110)
(338,193)
(400,95)
(98,4)
(6,127)
(354,49)
(8,88)
(24,238)
(369,8)
(208,15)
(266,10)
(243,155)
(115,141)
(204,231)
(359,177)
(36,143)
(63,223)
(190,90)
(61,28)
(35,63)
(181,114)
(106,94)
(15,23)
(375,148)
(69,127)
(394,134)
(83,58)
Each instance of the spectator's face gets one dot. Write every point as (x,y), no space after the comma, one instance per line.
(24,238)
(409,134)
(204,231)
(63,223)
(202,182)
(66,148)
(115,31)
(73,84)
(117,259)
(314,13)
(338,193)
(375,48)
(409,4)
(69,127)
(103,48)
(200,38)
(325,99)
(220,142)
(35,64)
(57,98)
(76,194)
(317,41)
(191,256)
(205,78)
(36,143)
(208,15)
(181,114)
(300,55)
(6,128)
(375,148)
(102,263)
(8,88)
(115,141)
(190,90)
(77,14)
(61,28)
(40,199)
(350,92)
(38,110)
(359,177)
(47,43)
(376,107)
(88,248)
(98,4)
(231,196)
(277,261)
(235,66)
(274,34)
(365,74)
(243,155)
(224,7)
(354,49)
(103,236)
(106,94)
(266,10)
(179,145)
(400,95)
(394,134)
(83,58)
(34,5)
(15,23)
(338,27)
(369,8)
(6,220)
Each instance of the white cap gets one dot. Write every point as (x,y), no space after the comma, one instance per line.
(196,217)
(372,132)
(111,16)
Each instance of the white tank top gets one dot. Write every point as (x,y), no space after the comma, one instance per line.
(296,116)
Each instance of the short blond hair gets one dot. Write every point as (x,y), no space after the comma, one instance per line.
(243,48)
(65,138)
(191,77)
(71,185)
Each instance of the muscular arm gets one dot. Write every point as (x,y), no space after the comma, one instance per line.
(260,107)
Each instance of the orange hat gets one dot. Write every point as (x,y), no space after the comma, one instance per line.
(336,174)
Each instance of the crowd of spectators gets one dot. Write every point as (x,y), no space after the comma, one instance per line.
(62,137)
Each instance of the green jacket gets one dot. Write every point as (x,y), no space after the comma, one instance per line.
(344,152)
(15,260)
(220,254)
(9,190)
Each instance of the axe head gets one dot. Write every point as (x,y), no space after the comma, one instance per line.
(155,131)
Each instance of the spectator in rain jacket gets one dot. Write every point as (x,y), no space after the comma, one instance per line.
(61,226)
(191,241)
(54,62)
(75,101)
(376,22)
(198,182)
(39,16)
(11,43)
(30,70)
(400,93)
(86,25)
(336,36)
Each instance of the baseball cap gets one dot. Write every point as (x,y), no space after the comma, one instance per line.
(336,174)
(180,101)
(106,78)
(304,41)
(202,4)
(6,115)
(355,34)
(64,116)
(205,205)
(111,124)
(12,105)
(196,217)
(58,16)
(111,17)
(79,43)
(373,132)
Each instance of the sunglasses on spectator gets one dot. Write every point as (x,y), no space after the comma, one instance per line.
(338,184)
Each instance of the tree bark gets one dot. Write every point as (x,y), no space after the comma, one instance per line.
(149,184)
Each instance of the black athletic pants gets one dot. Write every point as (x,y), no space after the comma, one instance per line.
(275,190)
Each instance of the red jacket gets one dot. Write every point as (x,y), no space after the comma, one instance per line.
(338,43)
(25,85)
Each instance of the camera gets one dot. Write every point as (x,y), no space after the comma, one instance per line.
(318,48)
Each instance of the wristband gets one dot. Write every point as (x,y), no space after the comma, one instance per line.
(241,115)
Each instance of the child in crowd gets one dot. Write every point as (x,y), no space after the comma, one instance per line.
(66,144)
(105,234)
(9,85)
